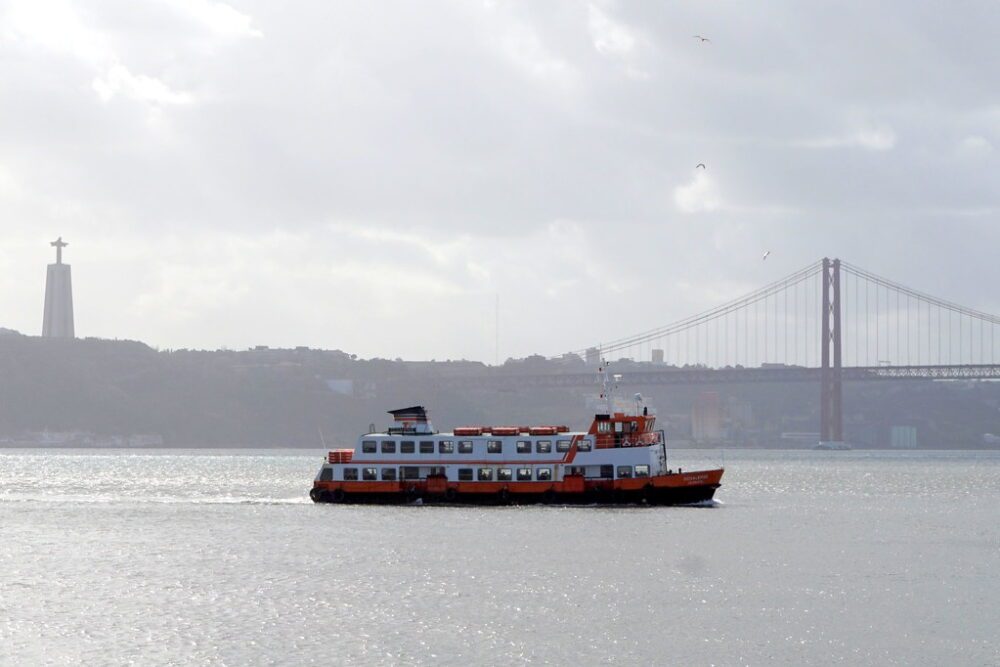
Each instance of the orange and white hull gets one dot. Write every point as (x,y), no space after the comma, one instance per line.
(679,488)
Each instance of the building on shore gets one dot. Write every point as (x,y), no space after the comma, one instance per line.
(707,418)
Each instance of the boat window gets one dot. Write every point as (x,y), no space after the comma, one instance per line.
(584,446)
(485,474)
(494,446)
(563,445)
(410,472)
(642,471)
(624,472)
(505,474)
(406,447)
(388,446)
(446,447)
(543,474)
(523,446)
(437,471)
(465,474)
(543,446)
(350,474)
(389,474)
(326,475)
(524,474)
(607,472)
(604,427)
(426,446)
(575,470)
(369,473)
(464,446)
(368,446)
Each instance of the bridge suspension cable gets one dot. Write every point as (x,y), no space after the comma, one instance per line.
(711,315)
(884,323)
(892,324)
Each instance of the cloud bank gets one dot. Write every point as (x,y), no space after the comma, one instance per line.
(328,174)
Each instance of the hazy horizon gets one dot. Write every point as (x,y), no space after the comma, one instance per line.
(369,177)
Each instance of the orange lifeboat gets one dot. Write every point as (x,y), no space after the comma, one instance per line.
(340,456)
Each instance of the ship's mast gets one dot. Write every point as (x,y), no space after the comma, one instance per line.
(602,378)
(607,388)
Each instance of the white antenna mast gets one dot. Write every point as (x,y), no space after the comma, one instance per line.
(602,377)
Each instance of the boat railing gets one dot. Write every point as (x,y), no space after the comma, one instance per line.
(408,430)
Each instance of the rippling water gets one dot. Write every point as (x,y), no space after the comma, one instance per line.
(219,557)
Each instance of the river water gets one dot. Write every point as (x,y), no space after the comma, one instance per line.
(218,557)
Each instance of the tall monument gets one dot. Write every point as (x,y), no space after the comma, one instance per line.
(58,322)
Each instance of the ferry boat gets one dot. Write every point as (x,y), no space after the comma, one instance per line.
(620,459)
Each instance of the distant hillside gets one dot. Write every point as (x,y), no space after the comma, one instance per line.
(259,397)
(198,398)
(266,397)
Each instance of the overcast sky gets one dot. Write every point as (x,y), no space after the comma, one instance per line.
(369,175)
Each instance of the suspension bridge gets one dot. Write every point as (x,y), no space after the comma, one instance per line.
(828,323)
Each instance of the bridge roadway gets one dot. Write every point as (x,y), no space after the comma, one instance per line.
(674,376)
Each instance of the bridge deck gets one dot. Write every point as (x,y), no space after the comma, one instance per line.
(676,376)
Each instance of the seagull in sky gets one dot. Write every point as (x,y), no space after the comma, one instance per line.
(700,164)
(704,39)
(766,253)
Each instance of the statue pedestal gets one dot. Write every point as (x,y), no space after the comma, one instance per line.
(58,321)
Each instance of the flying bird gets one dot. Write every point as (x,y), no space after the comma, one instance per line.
(704,39)
(766,253)
(700,164)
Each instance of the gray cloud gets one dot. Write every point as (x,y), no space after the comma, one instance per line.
(249,172)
